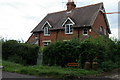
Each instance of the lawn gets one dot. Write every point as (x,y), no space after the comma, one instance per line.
(47,71)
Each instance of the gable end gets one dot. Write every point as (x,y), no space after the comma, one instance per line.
(68,19)
(46,23)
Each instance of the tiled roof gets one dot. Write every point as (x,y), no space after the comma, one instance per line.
(82,16)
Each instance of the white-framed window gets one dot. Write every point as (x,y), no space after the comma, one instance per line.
(46,31)
(68,29)
(85,31)
(101,29)
(46,43)
(105,31)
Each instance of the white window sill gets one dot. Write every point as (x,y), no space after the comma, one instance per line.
(68,33)
(46,34)
(85,34)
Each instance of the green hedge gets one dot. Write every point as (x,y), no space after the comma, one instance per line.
(90,49)
(61,53)
(14,51)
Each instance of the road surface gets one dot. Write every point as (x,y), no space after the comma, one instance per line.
(16,76)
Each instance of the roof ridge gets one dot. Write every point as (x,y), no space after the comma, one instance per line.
(90,5)
(76,8)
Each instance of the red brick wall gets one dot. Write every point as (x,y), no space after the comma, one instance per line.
(100,21)
(52,37)
(30,39)
(57,35)
(60,34)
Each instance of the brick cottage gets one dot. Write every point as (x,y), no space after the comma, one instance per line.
(81,22)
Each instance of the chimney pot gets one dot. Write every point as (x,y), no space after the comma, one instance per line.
(70,5)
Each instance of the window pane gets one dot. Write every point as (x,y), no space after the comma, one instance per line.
(46,43)
(105,31)
(100,29)
(71,30)
(67,28)
(85,31)
(46,31)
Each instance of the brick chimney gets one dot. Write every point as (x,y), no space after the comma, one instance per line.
(70,5)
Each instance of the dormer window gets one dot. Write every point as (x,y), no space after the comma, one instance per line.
(68,26)
(68,29)
(46,31)
(46,28)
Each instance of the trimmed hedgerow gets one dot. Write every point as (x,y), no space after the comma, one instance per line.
(14,51)
(90,49)
(61,53)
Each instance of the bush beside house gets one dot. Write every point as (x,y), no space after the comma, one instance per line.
(60,53)
(101,50)
(104,51)
(17,52)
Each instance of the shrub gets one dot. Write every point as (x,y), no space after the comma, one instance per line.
(109,65)
(91,49)
(117,52)
(60,53)
(20,52)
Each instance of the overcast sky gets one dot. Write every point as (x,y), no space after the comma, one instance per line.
(19,17)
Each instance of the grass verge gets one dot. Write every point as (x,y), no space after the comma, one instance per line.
(46,71)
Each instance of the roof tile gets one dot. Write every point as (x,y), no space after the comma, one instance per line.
(81,16)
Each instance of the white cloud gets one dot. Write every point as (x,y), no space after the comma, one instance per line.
(19,17)
(114,33)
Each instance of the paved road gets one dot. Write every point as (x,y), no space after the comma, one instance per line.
(16,76)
